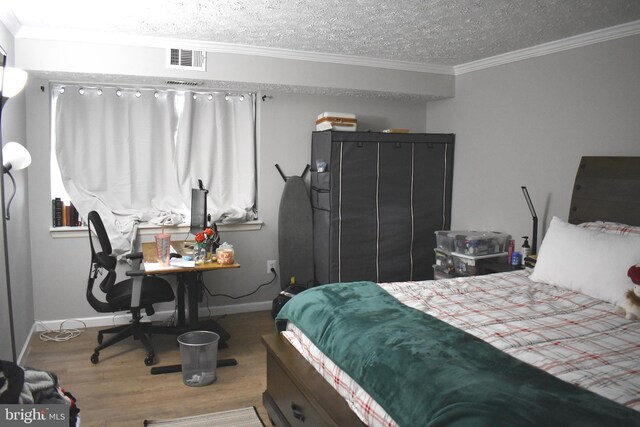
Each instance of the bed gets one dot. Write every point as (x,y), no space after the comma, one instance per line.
(502,349)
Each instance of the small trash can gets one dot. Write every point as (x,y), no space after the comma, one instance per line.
(199,356)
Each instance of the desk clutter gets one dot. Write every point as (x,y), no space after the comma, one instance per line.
(225,254)
(189,255)
(207,243)
(206,248)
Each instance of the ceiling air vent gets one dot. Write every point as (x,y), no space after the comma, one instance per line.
(187,59)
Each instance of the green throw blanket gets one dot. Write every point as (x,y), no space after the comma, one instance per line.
(425,372)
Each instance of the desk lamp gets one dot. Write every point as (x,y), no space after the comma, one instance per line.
(534,217)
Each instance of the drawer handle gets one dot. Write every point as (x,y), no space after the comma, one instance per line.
(297,412)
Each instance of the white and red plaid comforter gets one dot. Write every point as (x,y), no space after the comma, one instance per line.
(577,338)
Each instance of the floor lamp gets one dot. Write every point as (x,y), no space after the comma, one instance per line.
(14,156)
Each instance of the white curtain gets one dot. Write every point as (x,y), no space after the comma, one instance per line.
(219,147)
(134,154)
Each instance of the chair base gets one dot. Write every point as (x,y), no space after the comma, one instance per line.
(137,330)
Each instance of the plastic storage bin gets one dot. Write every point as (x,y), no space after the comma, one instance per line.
(472,242)
(199,357)
(444,262)
(445,239)
(439,274)
(483,243)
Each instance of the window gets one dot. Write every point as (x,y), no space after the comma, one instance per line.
(135,154)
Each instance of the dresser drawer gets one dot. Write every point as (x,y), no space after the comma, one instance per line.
(275,416)
(297,394)
(292,403)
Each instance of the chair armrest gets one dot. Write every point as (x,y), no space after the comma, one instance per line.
(135,273)
(134,255)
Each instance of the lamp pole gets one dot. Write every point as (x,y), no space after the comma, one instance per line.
(5,242)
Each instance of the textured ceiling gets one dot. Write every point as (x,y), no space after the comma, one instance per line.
(435,32)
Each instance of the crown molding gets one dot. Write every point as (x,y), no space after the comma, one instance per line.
(598,36)
(26,32)
(9,20)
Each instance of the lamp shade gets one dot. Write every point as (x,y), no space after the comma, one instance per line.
(13,81)
(15,156)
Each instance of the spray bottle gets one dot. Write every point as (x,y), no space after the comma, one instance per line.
(526,249)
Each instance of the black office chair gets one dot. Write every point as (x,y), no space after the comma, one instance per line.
(118,295)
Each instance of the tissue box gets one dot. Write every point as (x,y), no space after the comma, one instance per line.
(337,121)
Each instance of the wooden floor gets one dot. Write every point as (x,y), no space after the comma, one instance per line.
(120,391)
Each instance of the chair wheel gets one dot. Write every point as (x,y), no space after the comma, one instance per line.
(100,337)
(149,359)
(95,358)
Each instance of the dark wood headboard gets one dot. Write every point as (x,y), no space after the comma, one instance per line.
(607,189)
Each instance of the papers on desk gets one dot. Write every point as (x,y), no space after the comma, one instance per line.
(173,263)
(179,262)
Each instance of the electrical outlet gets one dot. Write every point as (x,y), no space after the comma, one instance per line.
(272,263)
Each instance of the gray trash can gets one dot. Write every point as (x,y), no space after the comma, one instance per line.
(199,356)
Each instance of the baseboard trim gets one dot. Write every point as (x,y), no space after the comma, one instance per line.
(159,316)
(25,347)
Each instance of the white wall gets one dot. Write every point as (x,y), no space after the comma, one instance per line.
(18,241)
(529,122)
(284,137)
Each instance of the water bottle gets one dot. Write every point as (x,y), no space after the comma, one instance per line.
(515,258)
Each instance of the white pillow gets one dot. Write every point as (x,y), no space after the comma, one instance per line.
(587,261)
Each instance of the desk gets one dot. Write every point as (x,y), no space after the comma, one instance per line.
(188,277)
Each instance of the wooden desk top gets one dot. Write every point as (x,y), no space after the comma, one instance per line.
(149,255)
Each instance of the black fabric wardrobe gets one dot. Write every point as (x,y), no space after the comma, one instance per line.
(377,204)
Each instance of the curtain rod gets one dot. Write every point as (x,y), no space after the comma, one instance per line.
(133,87)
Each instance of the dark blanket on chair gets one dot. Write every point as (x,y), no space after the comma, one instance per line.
(425,372)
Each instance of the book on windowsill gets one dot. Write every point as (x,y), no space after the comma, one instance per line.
(56,207)
(64,215)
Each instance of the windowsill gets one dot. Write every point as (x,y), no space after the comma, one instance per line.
(150,230)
